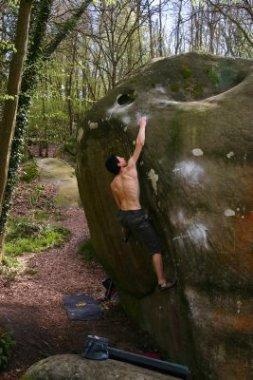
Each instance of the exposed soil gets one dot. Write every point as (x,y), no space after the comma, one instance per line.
(31,305)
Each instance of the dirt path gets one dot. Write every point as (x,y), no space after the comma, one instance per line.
(31,305)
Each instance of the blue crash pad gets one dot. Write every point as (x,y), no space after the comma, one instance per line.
(82,307)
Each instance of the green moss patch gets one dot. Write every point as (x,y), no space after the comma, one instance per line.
(213,76)
(41,215)
(175,87)
(186,72)
(6,344)
(24,235)
(30,171)
(87,251)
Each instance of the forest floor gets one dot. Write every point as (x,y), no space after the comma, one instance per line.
(31,303)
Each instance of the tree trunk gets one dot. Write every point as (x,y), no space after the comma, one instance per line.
(10,106)
(179,21)
(138,11)
(150,26)
(69,85)
(160,37)
(2,239)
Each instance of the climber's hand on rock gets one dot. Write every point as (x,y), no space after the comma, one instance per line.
(143,121)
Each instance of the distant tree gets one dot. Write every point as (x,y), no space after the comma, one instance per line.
(239,13)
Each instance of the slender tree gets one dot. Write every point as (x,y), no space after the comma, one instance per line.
(178,26)
(150,27)
(14,81)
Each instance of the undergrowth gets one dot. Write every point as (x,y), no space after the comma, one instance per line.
(25,235)
(30,171)
(87,251)
(6,344)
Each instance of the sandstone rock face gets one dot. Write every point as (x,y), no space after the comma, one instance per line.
(196,179)
(62,175)
(74,367)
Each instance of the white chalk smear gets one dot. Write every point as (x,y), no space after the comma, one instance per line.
(153,178)
(230,154)
(138,115)
(198,234)
(164,102)
(118,108)
(229,212)
(80,135)
(178,219)
(194,305)
(126,119)
(197,152)
(190,171)
(92,125)
(239,305)
(181,218)
(125,129)
(177,237)
(160,88)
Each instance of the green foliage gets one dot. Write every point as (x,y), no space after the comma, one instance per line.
(4,97)
(35,195)
(30,171)
(197,90)
(70,146)
(221,2)
(13,4)
(6,344)
(186,72)
(6,47)
(10,267)
(48,118)
(108,2)
(175,87)
(24,235)
(214,76)
(41,215)
(87,251)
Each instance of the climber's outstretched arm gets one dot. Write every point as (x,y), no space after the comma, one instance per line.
(140,140)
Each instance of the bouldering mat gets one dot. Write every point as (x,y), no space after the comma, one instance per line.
(82,307)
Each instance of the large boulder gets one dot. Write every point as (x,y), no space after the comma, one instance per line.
(59,173)
(69,367)
(196,179)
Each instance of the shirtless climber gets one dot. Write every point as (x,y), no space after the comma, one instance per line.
(126,191)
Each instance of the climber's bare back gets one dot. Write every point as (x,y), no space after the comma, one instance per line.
(125,188)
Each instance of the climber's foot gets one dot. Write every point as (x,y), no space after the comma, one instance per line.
(167,285)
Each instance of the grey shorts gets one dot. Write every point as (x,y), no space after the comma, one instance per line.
(138,223)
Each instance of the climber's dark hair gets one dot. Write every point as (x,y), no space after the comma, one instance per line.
(111,164)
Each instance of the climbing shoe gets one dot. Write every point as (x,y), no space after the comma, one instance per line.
(166,285)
